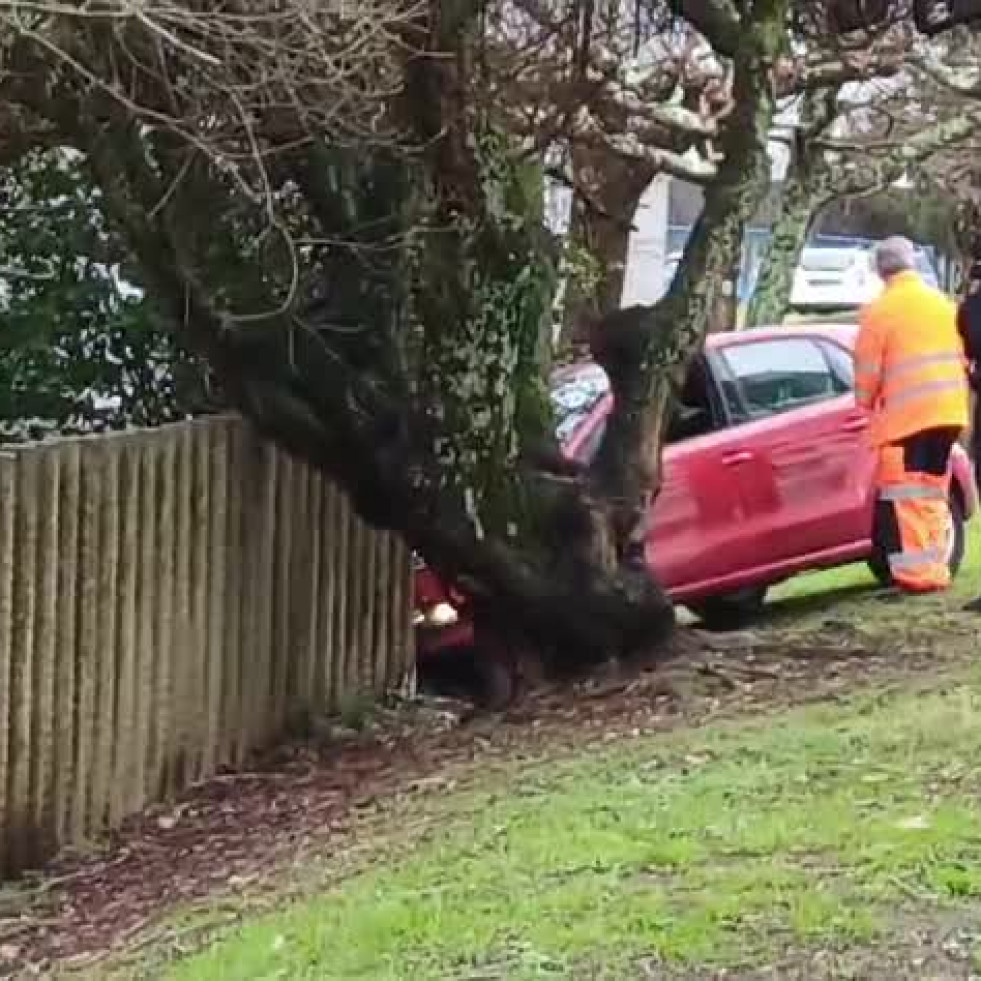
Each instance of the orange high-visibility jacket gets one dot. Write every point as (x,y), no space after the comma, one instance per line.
(910,370)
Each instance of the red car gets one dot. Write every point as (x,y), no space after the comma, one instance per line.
(767,474)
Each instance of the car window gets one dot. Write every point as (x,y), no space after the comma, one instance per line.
(774,376)
(574,394)
(842,367)
(925,268)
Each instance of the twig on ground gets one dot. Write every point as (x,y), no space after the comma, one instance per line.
(712,671)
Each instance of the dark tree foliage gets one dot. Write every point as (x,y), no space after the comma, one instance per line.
(931,17)
(81,348)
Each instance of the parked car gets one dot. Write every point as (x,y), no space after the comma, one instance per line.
(767,474)
(834,278)
(843,278)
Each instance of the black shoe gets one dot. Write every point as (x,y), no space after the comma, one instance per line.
(974,606)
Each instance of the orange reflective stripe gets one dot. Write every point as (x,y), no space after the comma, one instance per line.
(919,502)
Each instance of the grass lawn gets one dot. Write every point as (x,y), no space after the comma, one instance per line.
(723,846)
(846,591)
(733,845)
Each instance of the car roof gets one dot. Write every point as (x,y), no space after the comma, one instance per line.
(843,334)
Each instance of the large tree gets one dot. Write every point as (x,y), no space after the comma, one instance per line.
(320,199)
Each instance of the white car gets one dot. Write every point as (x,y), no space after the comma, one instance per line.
(842,278)
(834,279)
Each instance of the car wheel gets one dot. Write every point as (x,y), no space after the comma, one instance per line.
(956,545)
(731,611)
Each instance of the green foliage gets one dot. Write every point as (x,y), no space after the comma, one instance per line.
(81,349)
(583,270)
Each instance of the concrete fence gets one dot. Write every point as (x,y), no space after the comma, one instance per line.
(169,601)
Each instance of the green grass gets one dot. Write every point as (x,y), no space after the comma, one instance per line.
(721,846)
(718,847)
(846,589)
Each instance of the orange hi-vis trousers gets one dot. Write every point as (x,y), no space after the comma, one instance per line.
(913,487)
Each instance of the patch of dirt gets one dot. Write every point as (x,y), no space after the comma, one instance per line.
(234,833)
(941,949)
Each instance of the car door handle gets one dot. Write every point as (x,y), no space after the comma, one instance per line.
(856,424)
(739,456)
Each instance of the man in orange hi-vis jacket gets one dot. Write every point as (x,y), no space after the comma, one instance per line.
(910,373)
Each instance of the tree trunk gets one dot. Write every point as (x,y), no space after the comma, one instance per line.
(646,351)
(609,190)
(807,189)
(725,311)
(531,543)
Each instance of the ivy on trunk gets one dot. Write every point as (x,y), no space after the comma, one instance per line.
(608,192)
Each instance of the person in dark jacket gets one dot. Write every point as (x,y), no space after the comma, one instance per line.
(969,327)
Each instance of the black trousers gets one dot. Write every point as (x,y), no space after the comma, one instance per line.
(926,452)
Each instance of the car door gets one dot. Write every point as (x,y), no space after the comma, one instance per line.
(694,531)
(695,534)
(798,447)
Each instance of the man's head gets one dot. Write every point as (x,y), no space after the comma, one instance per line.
(894,256)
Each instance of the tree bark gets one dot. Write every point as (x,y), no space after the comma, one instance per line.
(483,295)
(808,188)
(609,191)
(724,314)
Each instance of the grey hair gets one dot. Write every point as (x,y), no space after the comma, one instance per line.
(893,256)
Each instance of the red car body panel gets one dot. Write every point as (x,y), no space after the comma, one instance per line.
(755,502)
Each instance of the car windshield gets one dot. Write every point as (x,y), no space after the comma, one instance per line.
(574,394)
(827,260)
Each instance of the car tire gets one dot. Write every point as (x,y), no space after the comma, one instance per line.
(879,560)
(731,611)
